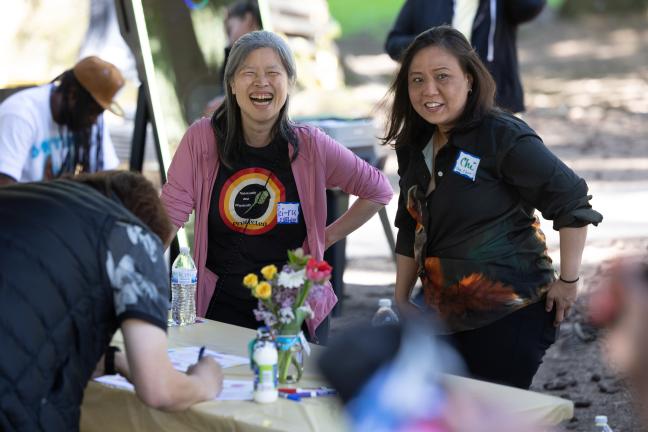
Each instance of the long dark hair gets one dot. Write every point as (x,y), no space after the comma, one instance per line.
(71,116)
(226,120)
(405,125)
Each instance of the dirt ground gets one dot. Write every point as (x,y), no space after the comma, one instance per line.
(586,85)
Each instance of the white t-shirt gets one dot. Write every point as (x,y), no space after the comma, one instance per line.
(464,16)
(29,136)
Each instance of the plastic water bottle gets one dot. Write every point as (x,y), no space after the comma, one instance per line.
(264,364)
(183,288)
(385,315)
(601,424)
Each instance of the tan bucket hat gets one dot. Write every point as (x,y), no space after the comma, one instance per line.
(102,80)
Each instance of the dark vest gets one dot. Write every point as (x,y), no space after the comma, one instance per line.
(56,307)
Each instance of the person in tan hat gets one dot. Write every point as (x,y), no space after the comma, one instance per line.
(58,128)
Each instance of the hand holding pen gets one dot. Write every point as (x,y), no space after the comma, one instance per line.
(208,371)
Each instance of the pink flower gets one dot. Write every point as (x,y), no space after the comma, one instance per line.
(318,271)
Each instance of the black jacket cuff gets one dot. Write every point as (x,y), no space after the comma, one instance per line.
(578,218)
(405,243)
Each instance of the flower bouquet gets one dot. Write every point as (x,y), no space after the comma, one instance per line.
(284,305)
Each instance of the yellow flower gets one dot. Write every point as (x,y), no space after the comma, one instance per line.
(251,280)
(269,271)
(263,290)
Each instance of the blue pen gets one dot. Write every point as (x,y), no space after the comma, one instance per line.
(315,393)
(201,352)
(290,396)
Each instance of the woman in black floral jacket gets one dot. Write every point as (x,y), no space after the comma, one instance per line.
(471,177)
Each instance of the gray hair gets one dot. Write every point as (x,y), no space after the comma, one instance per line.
(226,121)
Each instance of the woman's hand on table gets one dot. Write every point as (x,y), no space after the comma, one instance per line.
(561,295)
(210,374)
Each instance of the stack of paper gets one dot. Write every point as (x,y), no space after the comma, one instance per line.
(182,358)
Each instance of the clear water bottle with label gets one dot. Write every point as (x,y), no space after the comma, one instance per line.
(385,315)
(183,288)
(264,364)
(601,424)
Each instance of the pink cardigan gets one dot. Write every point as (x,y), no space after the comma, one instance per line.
(320,164)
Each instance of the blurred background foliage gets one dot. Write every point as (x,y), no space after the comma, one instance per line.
(376,17)
(365,17)
(574,8)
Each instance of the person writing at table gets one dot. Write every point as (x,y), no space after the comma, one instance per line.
(471,177)
(258,181)
(80,258)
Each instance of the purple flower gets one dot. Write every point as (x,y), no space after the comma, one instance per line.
(317,292)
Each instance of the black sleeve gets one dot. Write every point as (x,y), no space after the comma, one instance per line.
(403,33)
(405,236)
(404,221)
(138,275)
(521,11)
(549,185)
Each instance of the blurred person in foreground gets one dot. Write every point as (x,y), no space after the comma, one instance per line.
(257,182)
(80,258)
(490,26)
(58,128)
(471,178)
(393,379)
(242,17)
(620,305)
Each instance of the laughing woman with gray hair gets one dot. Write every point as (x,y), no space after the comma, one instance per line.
(240,169)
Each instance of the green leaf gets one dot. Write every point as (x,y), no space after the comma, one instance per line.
(259,198)
(297,261)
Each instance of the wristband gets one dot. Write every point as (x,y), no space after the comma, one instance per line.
(568,281)
(109,360)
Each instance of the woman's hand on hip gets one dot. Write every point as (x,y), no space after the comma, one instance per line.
(562,295)
(330,237)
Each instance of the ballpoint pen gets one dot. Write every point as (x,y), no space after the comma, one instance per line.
(201,352)
(315,393)
(302,389)
(290,396)
(318,392)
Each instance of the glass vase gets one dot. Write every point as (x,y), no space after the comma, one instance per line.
(290,364)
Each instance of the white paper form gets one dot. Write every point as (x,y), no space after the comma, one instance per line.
(234,390)
(182,358)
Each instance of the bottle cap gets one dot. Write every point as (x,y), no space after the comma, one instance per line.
(184,250)
(601,420)
(263,331)
(385,302)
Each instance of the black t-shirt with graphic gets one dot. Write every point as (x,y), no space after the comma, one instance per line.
(255,216)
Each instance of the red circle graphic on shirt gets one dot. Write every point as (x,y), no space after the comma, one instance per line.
(248,201)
